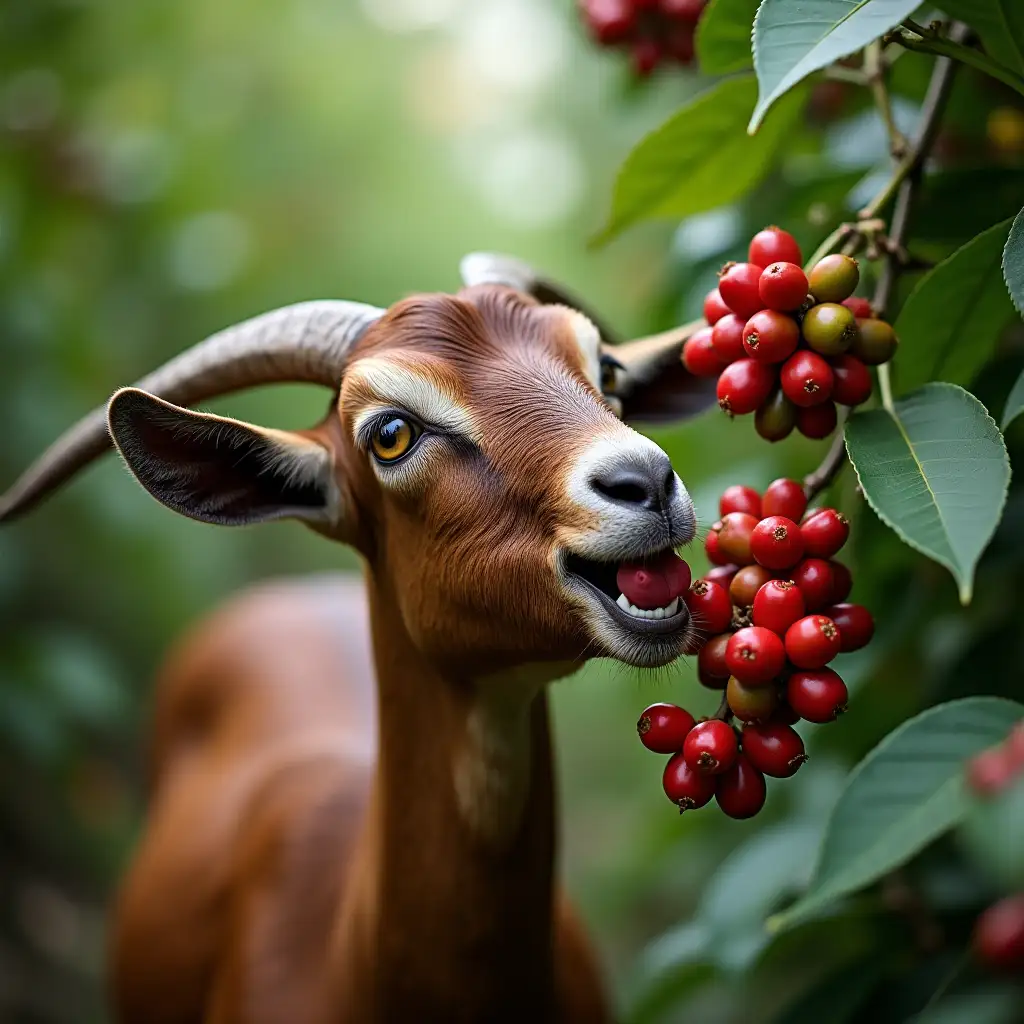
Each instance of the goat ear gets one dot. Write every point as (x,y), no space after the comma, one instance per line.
(219,470)
(653,385)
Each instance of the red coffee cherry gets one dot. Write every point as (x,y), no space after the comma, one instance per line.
(1015,745)
(777,543)
(834,278)
(741,791)
(774,748)
(727,338)
(701,357)
(773,245)
(610,21)
(751,703)
(875,342)
(775,417)
(715,307)
(842,582)
(818,421)
(680,42)
(770,337)
(806,379)
(734,537)
(686,788)
(811,642)
(647,54)
(709,605)
(777,605)
(829,328)
(716,556)
(816,581)
(755,655)
(825,533)
(783,286)
(744,385)
(737,284)
(819,696)
(663,728)
(712,658)
(991,771)
(721,574)
(746,583)
(784,497)
(855,624)
(711,747)
(739,498)
(998,939)
(684,10)
(860,308)
(851,383)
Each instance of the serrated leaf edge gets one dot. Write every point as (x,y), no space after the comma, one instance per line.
(1002,263)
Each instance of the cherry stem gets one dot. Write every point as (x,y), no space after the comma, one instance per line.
(816,481)
(724,712)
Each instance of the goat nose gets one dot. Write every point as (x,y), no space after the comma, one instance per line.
(648,485)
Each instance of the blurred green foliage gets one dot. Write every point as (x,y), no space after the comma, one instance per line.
(166,169)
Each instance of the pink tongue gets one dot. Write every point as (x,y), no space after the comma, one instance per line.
(654,584)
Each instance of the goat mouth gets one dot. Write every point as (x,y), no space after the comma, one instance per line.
(663,615)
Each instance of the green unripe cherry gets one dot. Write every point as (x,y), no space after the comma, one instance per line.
(875,343)
(829,329)
(776,419)
(834,278)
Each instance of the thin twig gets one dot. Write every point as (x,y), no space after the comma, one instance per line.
(874,71)
(816,481)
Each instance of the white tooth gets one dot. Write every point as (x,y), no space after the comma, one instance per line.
(672,608)
(623,602)
(659,613)
(633,610)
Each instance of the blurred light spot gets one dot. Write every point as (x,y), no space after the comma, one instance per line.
(862,141)
(209,250)
(705,234)
(49,919)
(530,177)
(31,100)
(135,166)
(410,15)
(519,45)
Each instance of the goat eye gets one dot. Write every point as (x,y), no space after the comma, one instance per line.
(392,438)
(609,374)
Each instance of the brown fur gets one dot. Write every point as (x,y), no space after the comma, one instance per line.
(307,857)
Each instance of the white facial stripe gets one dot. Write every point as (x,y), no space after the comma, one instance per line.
(404,387)
(588,338)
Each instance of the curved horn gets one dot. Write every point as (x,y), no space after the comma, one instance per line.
(492,268)
(307,342)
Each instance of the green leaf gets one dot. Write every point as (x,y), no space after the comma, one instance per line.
(838,996)
(1013,262)
(953,318)
(936,471)
(1000,23)
(792,38)
(724,36)
(700,158)
(1015,402)
(906,793)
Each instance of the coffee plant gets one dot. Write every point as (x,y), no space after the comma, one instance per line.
(886,140)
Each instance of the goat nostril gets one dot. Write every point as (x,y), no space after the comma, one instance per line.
(670,482)
(627,491)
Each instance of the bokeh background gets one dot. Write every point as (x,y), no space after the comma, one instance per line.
(170,168)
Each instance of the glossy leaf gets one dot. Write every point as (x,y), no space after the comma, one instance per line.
(993,832)
(724,36)
(906,793)
(999,23)
(953,318)
(700,158)
(1015,402)
(793,38)
(936,471)
(1013,262)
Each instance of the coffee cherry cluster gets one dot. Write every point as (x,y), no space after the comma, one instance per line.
(786,345)
(653,31)
(773,613)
